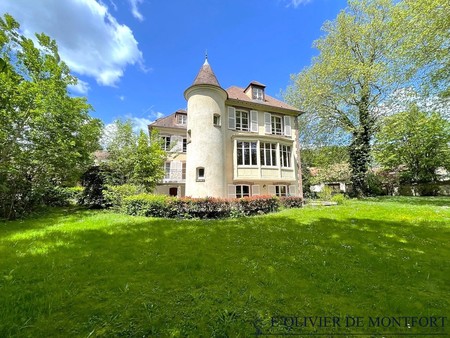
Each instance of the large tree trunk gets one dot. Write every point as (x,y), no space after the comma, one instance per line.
(359,149)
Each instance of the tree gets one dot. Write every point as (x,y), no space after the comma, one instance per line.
(134,159)
(46,136)
(425,37)
(352,73)
(415,139)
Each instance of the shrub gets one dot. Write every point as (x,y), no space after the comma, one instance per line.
(147,205)
(291,202)
(93,182)
(326,193)
(339,199)
(249,206)
(114,194)
(171,207)
(61,196)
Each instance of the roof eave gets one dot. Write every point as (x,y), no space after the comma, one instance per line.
(263,106)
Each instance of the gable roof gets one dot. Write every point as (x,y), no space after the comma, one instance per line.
(238,94)
(169,121)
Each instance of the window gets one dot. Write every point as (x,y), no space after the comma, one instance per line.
(257,94)
(277,125)
(268,154)
(181,119)
(242,191)
(166,142)
(167,170)
(216,120)
(200,174)
(280,190)
(184,144)
(242,120)
(246,153)
(285,156)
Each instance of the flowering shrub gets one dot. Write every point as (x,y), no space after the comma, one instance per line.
(171,207)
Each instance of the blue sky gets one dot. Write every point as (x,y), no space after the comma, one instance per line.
(135,58)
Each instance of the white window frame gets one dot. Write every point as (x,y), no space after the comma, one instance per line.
(166,170)
(239,120)
(242,194)
(182,119)
(247,146)
(166,142)
(216,120)
(276,190)
(257,93)
(270,149)
(285,156)
(200,174)
(275,130)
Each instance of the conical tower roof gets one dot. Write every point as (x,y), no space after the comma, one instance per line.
(206,76)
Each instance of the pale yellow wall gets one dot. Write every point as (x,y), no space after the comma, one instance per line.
(207,145)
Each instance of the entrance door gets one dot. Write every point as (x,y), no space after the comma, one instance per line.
(173,191)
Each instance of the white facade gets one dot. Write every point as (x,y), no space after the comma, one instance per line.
(238,142)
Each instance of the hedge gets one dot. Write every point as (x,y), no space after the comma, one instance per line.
(172,207)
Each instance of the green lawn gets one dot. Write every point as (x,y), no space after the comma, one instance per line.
(94,273)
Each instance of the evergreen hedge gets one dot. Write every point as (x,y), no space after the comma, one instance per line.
(172,207)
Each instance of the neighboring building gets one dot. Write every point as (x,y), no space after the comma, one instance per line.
(230,143)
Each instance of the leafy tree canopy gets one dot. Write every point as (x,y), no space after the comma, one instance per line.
(417,140)
(346,81)
(46,136)
(134,159)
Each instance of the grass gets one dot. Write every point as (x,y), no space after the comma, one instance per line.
(85,273)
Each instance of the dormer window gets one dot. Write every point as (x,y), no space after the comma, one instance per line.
(257,93)
(181,119)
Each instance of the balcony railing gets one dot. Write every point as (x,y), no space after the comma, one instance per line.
(174,176)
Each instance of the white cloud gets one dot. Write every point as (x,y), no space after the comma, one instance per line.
(134,9)
(140,123)
(122,98)
(296,3)
(81,87)
(90,39)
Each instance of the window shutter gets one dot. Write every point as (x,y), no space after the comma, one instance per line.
(254,121)
(231,118)
(268,123)
(231,191)
(292,190)
(287,126)
(175,169)
(176,143)
(272,190)
(255,190)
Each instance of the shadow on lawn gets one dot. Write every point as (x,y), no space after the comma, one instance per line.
(189,271)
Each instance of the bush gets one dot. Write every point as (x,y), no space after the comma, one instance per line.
(93,182)
(291,202)
(249,206)
(171,207)
(325,194)
(61,196)
(147,205)
(339,199)
(114,194)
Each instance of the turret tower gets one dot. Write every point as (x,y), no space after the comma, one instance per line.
(205,168)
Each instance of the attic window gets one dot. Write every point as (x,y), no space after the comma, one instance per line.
(181,119)
(257,93)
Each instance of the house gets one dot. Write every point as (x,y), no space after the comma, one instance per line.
(230,143)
